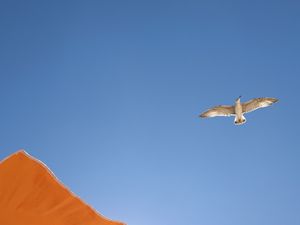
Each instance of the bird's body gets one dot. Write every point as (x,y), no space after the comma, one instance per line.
(239,109)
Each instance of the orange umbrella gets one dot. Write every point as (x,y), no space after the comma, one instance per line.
(30,194)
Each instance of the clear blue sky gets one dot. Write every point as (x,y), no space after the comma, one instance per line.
(107,94)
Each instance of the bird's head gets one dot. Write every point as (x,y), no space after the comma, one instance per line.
(238,99)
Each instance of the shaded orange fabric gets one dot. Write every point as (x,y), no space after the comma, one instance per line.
(30,194)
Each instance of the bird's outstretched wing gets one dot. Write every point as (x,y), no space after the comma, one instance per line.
(257,103)
(221,110)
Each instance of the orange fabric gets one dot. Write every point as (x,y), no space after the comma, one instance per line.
(31,195)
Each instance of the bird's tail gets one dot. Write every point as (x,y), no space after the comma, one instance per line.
(239,120)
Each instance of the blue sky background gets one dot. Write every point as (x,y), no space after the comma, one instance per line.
(107,94)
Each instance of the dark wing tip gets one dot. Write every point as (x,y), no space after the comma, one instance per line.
(203,115)
(273,100)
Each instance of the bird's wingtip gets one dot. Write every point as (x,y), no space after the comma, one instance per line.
(274,100)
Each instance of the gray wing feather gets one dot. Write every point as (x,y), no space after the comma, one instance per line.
(221,110)
(257,103)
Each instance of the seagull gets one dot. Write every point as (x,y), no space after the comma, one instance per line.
(239,109)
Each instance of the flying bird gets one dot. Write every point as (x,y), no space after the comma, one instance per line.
(239,109)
